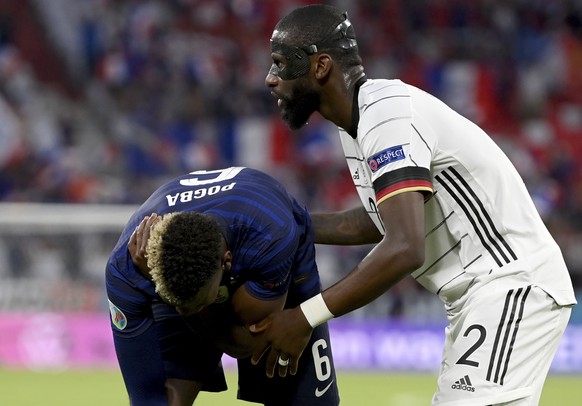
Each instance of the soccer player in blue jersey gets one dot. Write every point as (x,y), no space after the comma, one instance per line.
(444,205)
(205,256)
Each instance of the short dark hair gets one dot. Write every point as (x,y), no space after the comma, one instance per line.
(313,24)
(184,252)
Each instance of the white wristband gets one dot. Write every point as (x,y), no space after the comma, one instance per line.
(315,311)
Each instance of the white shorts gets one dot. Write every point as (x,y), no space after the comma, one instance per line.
(499,347)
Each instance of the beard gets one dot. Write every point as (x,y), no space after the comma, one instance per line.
(298,107)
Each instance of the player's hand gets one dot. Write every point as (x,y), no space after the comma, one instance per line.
(138,244)
(287,332)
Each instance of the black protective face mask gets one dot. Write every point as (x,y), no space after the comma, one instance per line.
(297,62)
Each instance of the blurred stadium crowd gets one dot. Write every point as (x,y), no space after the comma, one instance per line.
(101,100)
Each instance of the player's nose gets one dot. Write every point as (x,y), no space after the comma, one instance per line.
(271,80)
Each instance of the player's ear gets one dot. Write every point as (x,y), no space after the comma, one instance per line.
(323,65)
(227,261)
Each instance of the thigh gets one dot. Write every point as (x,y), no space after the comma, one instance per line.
(314,384)
(499,347)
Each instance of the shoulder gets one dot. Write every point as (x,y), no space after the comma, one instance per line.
(383,90)
(384,86)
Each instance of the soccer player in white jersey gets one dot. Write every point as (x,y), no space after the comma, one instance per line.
(442,202)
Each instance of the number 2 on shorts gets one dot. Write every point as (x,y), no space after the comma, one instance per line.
(480,339)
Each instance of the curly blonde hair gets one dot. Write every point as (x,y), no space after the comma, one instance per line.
(184,252)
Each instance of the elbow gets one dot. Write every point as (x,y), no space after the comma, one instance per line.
(414,253)
(415,259)
(409,256)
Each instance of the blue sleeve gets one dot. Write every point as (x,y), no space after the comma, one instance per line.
(270,271)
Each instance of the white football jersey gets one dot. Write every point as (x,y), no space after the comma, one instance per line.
(480,221)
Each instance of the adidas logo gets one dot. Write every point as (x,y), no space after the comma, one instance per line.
(464,384)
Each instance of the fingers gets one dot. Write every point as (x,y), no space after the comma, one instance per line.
(258,354)
(260,326)
(275,360)
(138,243)
(284,357)
(272,362)
(293,365)
(142,233)
(260,349)
(133,238)
(283,363)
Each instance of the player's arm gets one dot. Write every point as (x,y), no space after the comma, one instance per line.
(250,310)
(227,324)
(400,252)
(349,227)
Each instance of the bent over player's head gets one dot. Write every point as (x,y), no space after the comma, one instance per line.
(184,255)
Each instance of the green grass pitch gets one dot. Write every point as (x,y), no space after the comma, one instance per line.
(105,388)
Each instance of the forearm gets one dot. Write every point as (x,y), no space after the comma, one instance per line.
(350,227)
(228,334)
(236,342)
(371,278)
(399,253)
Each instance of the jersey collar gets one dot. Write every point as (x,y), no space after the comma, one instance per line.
(353,131)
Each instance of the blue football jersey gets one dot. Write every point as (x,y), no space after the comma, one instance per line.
(266,229)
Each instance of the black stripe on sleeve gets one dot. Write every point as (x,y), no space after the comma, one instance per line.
(408,173)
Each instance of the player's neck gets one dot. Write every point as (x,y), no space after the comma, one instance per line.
(337,101)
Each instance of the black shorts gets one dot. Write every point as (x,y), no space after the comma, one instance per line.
(315,383)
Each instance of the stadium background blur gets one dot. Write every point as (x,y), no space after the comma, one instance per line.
(102,100)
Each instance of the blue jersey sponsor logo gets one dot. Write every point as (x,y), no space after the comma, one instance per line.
(385,157)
